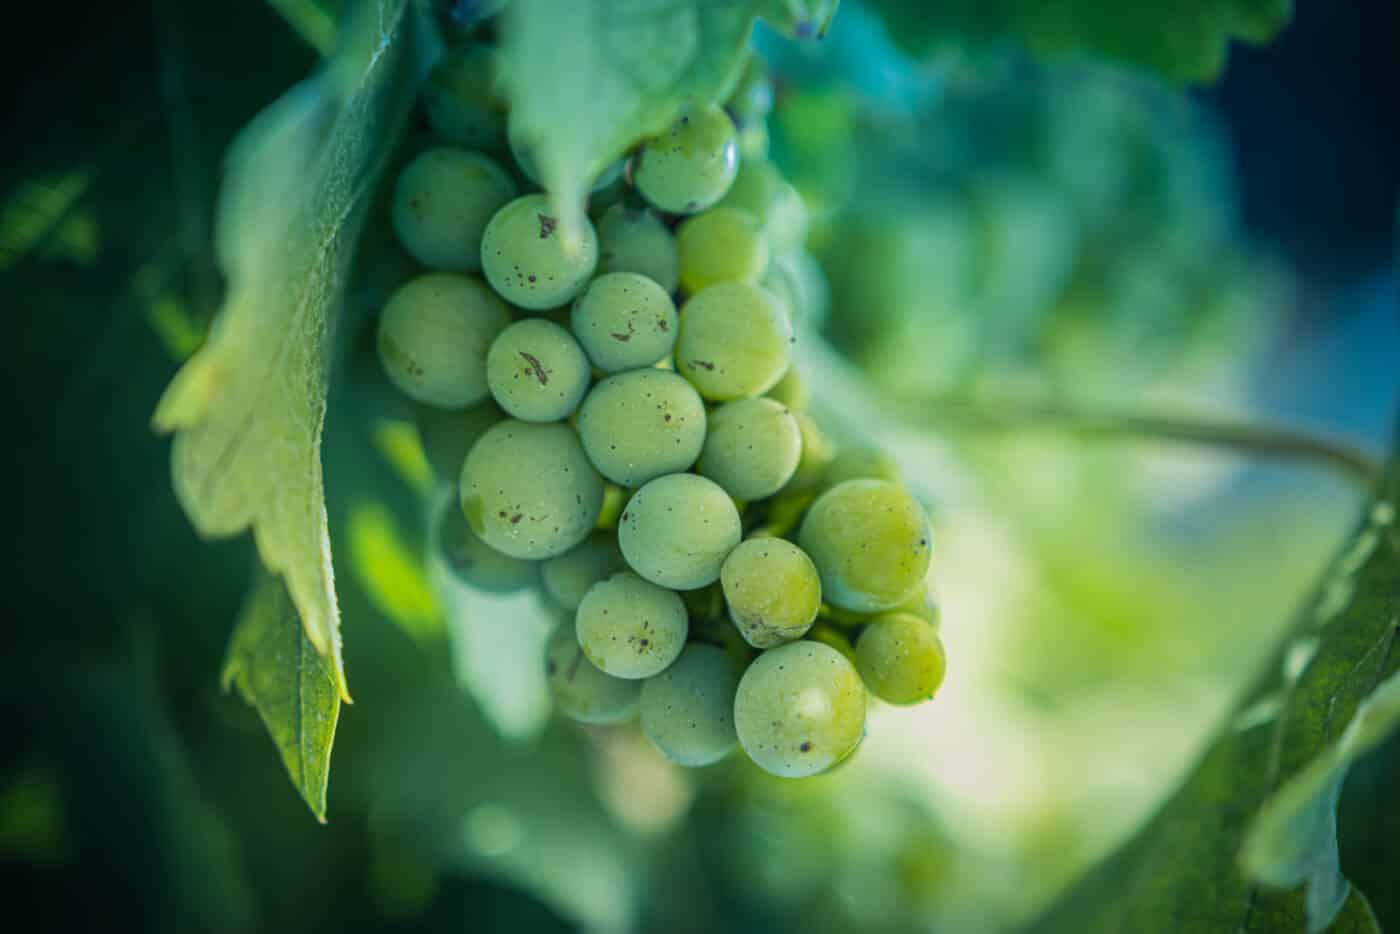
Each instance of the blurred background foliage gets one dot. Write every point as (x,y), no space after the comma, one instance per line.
(995,231)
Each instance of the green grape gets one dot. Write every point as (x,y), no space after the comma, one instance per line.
(433,337)
(641,424)
(861,463)
(817,455)
(800,709)
(720,245)
(734,341)
(870,541)
(442,202)
(536,371)
(525,257)
(752,448)
(772,589)
(462,100)
(900,658)
(691,165)
(631,628)
(448,434)
(688,710)
(677,531)
(614,501)
(827,634)
(636,241)
(580,690)
(624,321)
(791,392)
(567,577)
(774,203)
(528,489)
(475,562)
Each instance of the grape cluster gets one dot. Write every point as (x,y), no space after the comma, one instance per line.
(631,440)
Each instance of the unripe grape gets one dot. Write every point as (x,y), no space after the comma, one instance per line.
(642,424)
(734,341)
(860,463)
(475,562)
(772,589)
(433,337)
(870,542)
(827,634)
(687,711)
(900,658)
(752,448)
(720,245)
(775,205)
(677,530)
(462,100)
(791,391)
(624,321)
(442,202)
(568,577)
(527,261)
(636,241)
(690,165)
(817,455)
(537,371)
(580,690)
(631,628)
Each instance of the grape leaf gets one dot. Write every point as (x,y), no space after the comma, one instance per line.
(1270,780)
(800,19)
(1186,41)
(276,670)
(249,407)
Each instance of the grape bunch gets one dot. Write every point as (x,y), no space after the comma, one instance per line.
(631,440)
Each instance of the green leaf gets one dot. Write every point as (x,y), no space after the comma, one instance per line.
(1186,41)
(316,21)
(1260,807)
(276,669)
(249,407)
(800,19)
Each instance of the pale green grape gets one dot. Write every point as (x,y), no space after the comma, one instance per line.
(526,259)
(817,454)
(860,463)
(687,711)
(442,202)
(870,542)
(536,371)
(581,691)
(900,658)
(827,634)
(528,489)
(636,241)
(800,709)
(752,448)
(566,578)
(791,391)
(691,165)
(677,530)
(641,424)
(772,589)
(774,203)
(734,341)
(448,434)
(631,628)
(720,245)
(624,321)
(462,100)
(475,562)
(433,337)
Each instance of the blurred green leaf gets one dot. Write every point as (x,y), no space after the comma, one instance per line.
(249,407)
(801,19)
(316,21)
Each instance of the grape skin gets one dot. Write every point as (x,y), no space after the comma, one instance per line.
(772,589)
(900,658)
(774,204)
(462,101)
(642,424)
(473,561)
(687,711)
(734,341)
(636,241)
(817,455)
(752,448)
(631,628)
(624,321)
(800,709)
(721,245)
(580,690)
(567,577)
(526,260)
(791,391)
(860,463)
(442,202)
(691,164)
(678,529)
(537,371)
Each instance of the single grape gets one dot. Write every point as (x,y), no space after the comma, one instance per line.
(870,542)
(475,562)
(752,448)
(734,341)
(537,371)
(636,241)
(774,204)
(448,434)
(772,590)
(631,628)
(827,634)
(433,336)
(462,100)
(527,261)
(687,711)
(528,489)
(800,709)
(860,463)
(641,424)
(677,531)
(791,391)
(690,165)
(817,454)
(900,658)
(567,577)
(442,202)
(580,690)
(624,321)
(720,245)
(614,501)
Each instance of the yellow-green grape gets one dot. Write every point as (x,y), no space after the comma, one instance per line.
(800,709)
(614,500)
(527,260)
(642,424)
(475,562)
(772,590)
(528,489)
(817,455)
(580,690)
(536,371)
(442,202)
(631,628)
(462,100)
(448,434)
(433,337)
(774,203)
(691,164)
(624,321)
(900,658)
(720,245)
(678,529)
(735,341)
(860,463)
(687,711)
(566,578)
(752,448)
(870,542)
(791,391)
(827,634)
(636,241)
